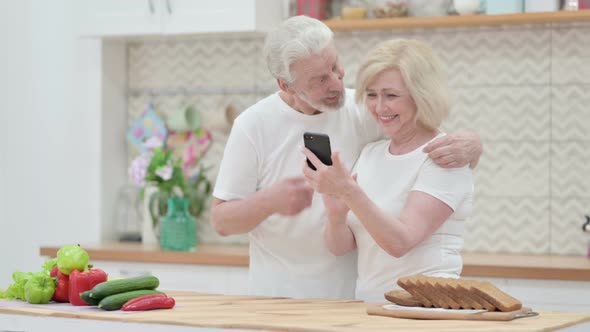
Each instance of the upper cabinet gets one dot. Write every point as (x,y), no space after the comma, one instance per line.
(111,18)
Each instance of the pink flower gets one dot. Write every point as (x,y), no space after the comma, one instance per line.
(138,169)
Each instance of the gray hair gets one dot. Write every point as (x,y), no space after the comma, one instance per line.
(296,38)
(423,74)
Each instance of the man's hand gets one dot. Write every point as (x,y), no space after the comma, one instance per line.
(291,195)
(455,150)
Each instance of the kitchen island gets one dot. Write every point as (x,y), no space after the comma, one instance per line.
(209,312)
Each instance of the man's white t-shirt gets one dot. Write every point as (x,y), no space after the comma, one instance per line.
(387,180)
(288,255)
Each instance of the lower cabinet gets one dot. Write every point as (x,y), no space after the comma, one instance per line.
(229,280)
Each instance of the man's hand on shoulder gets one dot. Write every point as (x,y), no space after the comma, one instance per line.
(456,150)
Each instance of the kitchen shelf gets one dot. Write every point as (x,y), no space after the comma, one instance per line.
(458,21)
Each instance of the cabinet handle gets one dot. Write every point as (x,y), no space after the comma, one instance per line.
(169,6)
(151,5)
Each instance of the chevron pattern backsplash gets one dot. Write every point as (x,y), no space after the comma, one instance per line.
(522,88)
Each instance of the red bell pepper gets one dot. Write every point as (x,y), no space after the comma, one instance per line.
(149,302)
(83,281)
(61,293)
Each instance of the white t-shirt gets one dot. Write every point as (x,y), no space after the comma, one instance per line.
(288,255)
(387,180)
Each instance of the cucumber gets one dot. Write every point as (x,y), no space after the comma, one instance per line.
(116,301)
(85,296)
(117,286)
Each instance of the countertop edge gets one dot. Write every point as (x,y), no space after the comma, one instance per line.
(566,268)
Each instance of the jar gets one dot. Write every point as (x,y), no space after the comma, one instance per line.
(467,7)
(389,8)
(429,7)
(178,228)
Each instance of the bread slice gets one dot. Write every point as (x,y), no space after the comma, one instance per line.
(462,297)
(443,285)
(403,298)
(466,287)
(440,298)
(496,297)
(409,284)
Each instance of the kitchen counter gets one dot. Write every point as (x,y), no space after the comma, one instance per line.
(474,264)
(199,310)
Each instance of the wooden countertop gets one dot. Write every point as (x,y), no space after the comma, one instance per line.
(279,314)
(474,264)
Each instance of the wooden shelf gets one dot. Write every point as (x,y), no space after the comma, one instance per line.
(458,21)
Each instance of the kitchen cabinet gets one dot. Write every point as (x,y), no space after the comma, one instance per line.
(115,18)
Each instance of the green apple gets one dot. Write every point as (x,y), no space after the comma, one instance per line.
(72,257)
(39,289)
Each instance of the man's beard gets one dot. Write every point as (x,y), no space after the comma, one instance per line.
(321,107)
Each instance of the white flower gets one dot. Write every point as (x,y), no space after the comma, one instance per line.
(165,172)
(138,169)
(152,143)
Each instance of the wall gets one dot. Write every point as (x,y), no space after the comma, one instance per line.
(50,140)
(521,88)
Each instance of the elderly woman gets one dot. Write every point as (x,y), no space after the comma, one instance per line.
(407,212)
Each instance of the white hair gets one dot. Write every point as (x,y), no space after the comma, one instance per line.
(296,38)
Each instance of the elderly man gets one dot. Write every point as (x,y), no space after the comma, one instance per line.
(260,189)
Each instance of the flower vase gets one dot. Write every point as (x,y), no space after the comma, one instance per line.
(178,227)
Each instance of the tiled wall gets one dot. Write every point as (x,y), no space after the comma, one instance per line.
(524,89)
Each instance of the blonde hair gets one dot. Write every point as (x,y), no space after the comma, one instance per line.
(422,72)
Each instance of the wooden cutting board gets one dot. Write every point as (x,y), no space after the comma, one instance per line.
(390,310)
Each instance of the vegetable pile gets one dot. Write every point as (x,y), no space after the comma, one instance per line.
(70,278)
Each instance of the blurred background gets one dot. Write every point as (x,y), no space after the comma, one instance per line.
(85,83)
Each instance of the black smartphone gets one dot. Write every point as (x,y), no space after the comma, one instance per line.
(319,144)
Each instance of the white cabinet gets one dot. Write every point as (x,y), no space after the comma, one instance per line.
(110,18)
(230,280)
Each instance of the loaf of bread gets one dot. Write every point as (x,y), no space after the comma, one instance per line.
(450,293)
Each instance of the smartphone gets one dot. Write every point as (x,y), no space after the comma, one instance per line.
(319,144)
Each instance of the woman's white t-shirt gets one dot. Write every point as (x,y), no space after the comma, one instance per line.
(387,180)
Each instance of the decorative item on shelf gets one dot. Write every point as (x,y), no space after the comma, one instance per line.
(128,214)
(429,7)
(186,118)
(586,228)
(494,7)
(178,227)
(389,8)
(189,146)
(148,125)
(313,8)
(354,9)
(570,5)
(536,6)
(467,7)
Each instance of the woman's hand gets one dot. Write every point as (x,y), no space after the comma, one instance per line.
(332,180)
(336,209)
